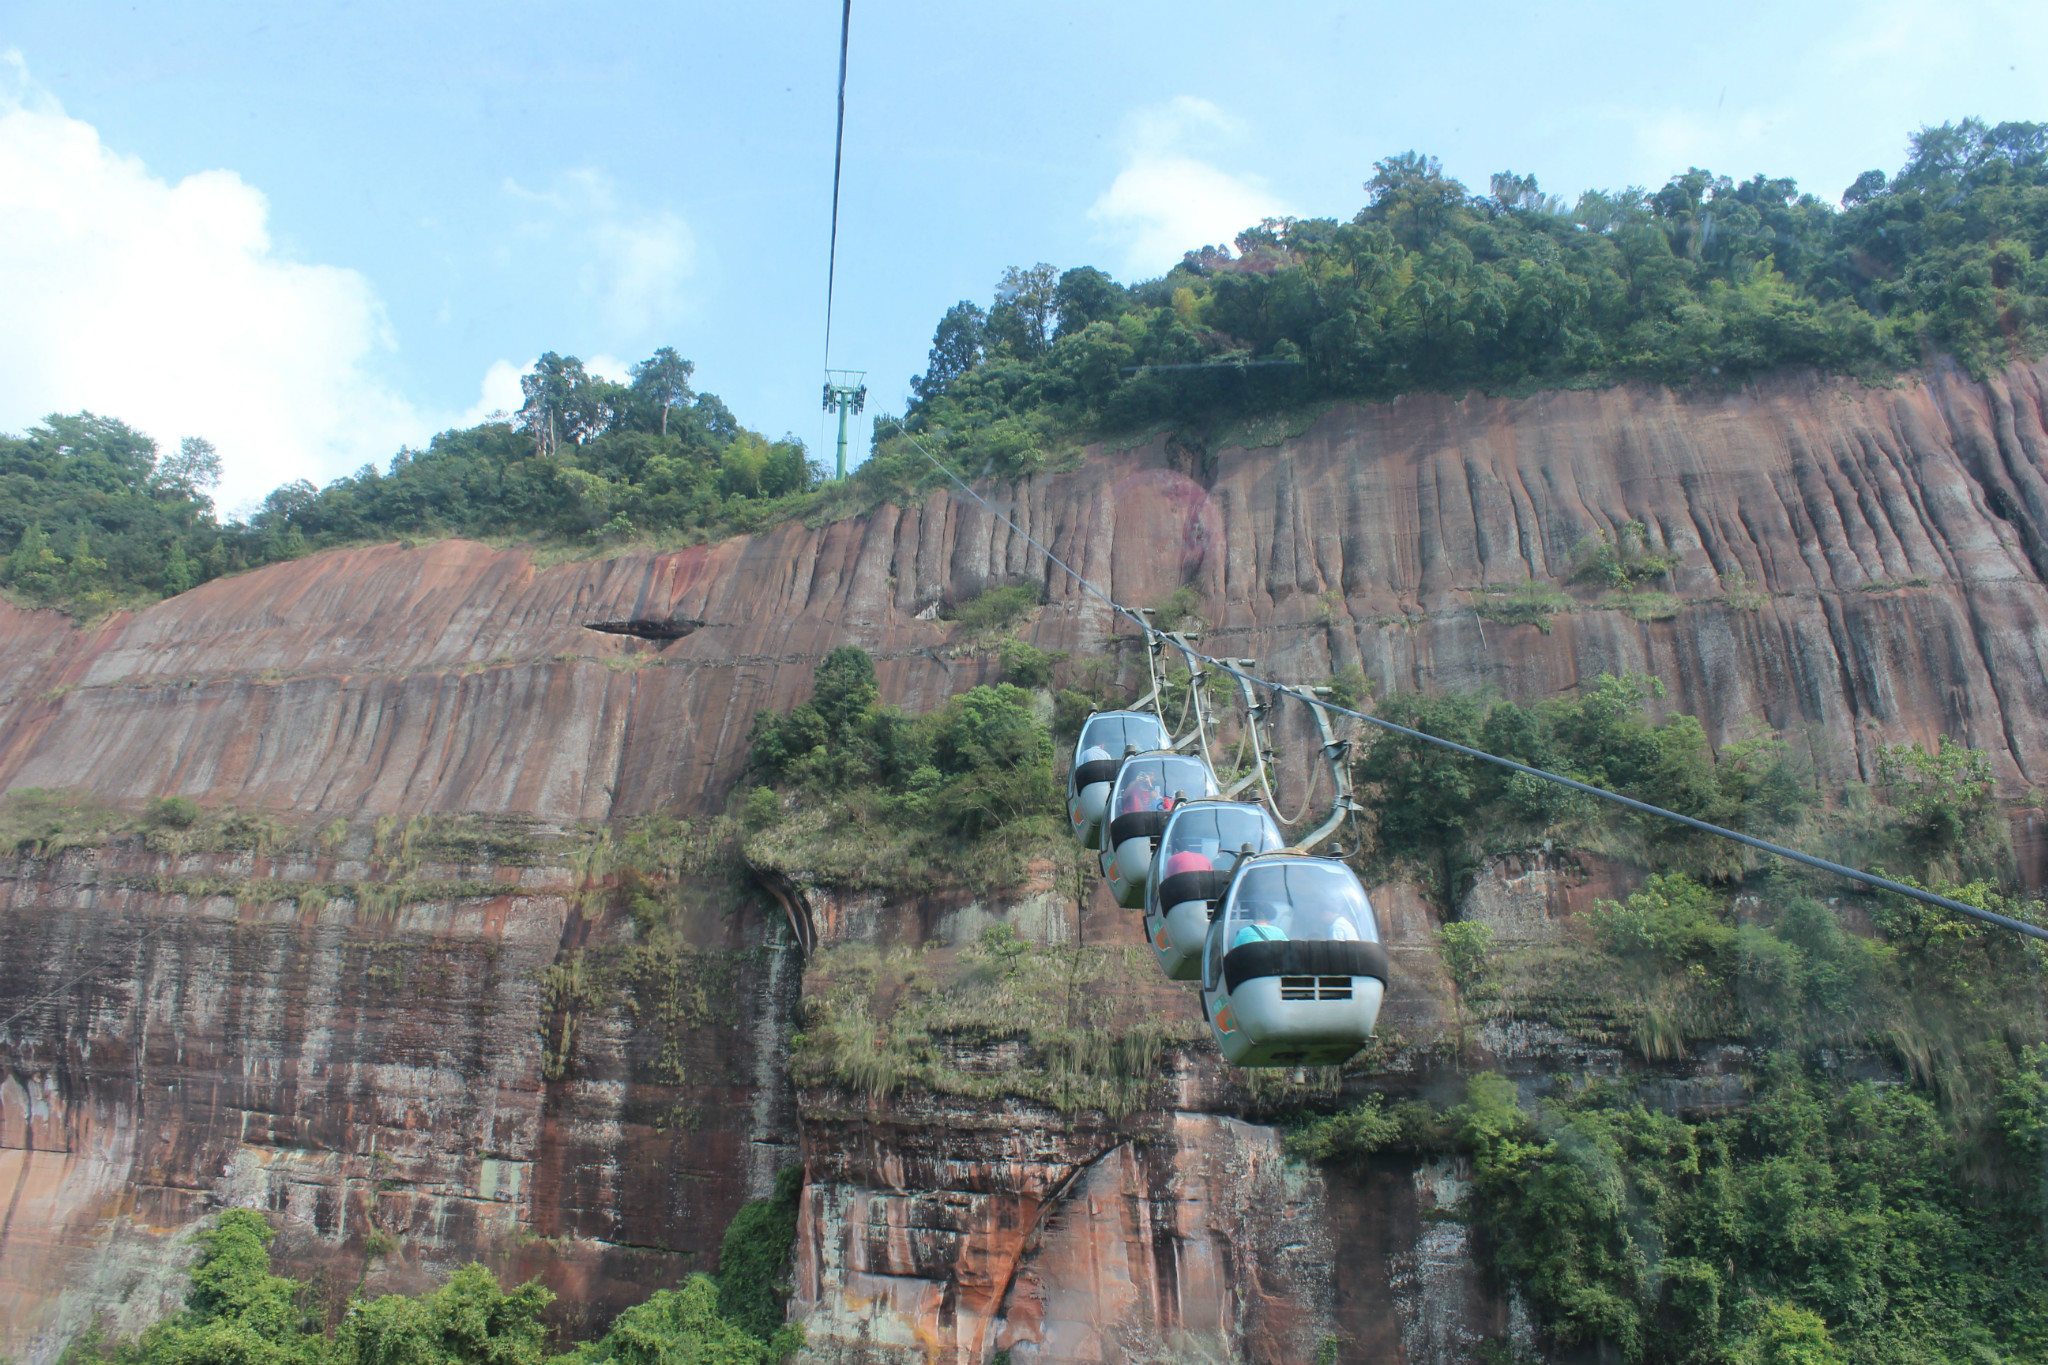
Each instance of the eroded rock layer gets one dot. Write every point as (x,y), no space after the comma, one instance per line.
(1854,566)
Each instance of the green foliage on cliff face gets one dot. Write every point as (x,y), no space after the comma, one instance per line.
(94,516)
(875,798)
(1931,815)
(1444,810)
(1065,1025)
(1431,287)
(754,1255)
(238,1313)
(1825,1220)
(735,1319)
(39,822)
(1842,1216)
(684,1327)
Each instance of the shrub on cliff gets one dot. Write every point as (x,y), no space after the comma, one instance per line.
(238,1313)
(1827,1220)
(235,1310)
(754,1255)
(1949,821)
(1840,1214)
(1070,1023)
(880,795)
(684,1327)
(1440,808)
(467,1321)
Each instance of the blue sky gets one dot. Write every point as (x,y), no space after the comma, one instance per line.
(312,232)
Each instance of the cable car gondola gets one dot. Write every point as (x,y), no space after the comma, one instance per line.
(1147,788)
(1293,971)
(1105,739)
(1198,851)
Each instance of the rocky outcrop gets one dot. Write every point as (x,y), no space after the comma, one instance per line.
(1854,566)
(403,1088)
(1884,551)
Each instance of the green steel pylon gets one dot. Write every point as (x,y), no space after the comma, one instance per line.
(844,391)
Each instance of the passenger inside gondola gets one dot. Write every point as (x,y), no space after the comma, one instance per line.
(1337,925)
(1306,900)
(1211,839)
(1259,927)
(1141,795)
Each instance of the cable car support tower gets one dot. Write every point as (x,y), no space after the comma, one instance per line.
(844,391)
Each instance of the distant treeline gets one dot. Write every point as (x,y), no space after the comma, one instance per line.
(1431,287)
(97,517)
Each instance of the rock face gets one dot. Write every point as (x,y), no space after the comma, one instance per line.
(1893,542)
(1854,566)
(404,1089)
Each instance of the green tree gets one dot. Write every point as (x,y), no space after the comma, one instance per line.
(1026,311)
(1945,797)
(236,1311)
(553,393)
(34,566)
(956,348)
(663,381)
(469,1320)
(193,472)
(754,1255)
(178,575)
(844,687)
(683,1327)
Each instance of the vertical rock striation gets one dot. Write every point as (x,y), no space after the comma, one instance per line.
(1854,566)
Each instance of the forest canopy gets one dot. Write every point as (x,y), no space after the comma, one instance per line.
(96,516)
(1430,286)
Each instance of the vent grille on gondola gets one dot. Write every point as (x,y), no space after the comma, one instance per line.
(1315,988)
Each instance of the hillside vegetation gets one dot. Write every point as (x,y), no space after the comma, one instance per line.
(1428,287)
(1708,279)
(1880,1194)
(238,1313)
(1872,1190)
(98,517)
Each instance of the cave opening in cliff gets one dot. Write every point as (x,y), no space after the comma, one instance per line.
(645,629)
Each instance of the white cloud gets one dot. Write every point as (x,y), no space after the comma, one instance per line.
(166,305)
(635,261)
(498,397)
(1166,201)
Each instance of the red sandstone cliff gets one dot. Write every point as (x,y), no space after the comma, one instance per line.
(242,1051)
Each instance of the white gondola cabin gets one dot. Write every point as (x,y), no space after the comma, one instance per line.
(1146,790)
(1292,970)
(1105,738)
(1198,852)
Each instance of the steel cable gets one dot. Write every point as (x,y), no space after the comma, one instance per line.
(838,151)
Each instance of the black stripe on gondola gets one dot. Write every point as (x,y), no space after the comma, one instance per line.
(1193,886)
(1096,770)
(1310,957)
(1139,824)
